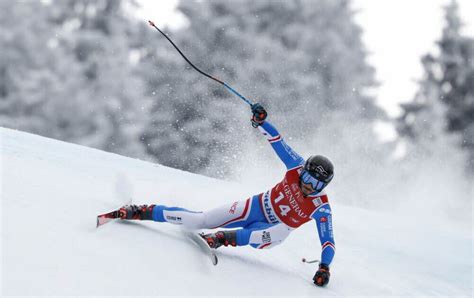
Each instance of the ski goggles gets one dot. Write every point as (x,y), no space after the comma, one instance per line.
(316,184)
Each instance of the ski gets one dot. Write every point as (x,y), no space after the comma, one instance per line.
(202,243)
(196,237)
(102,219)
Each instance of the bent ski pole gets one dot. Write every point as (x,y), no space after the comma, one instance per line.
(200,71)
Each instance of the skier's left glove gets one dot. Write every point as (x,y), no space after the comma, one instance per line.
(321,278)
(259,115)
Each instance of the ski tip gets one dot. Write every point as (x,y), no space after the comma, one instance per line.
(101,220)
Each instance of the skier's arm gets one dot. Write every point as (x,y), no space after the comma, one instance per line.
(323,219)
(289,157)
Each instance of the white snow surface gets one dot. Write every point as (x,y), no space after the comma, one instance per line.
(52,191)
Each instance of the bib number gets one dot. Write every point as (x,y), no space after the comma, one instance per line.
(284,209)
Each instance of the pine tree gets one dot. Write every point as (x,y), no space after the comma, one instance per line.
(434,161)
(66,73)
(97,34)
(304,60)
(38,80)
(456,82)
(445,102)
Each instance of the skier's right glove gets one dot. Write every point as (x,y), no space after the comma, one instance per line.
(321,278)
(259,114)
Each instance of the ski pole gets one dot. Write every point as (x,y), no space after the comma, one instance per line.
(309,262)
(200,71)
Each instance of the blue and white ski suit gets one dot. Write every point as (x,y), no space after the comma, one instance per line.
(265,219)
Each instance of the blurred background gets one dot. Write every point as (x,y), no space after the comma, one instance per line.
(385,90)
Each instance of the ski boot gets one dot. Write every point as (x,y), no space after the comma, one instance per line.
(134,212)
(216,240)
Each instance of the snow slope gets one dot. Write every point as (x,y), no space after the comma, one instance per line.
(52,191)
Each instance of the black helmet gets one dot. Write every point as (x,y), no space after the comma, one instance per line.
(320,167)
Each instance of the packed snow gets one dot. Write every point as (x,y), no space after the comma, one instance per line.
(52,191)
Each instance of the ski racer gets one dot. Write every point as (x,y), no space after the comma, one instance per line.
(265,219)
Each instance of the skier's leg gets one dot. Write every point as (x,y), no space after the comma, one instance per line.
(258,235)
(160,213)
(262,235)
(178,216)
(256,230)
(236,214)
(232,215)
(224,215)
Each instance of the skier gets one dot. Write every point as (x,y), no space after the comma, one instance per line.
(265,219)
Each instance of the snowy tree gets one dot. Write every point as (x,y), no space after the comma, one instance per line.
(38,80)
(434,161)
(97,34)
(456,81)
(66,73)
(445,102)
(304,60)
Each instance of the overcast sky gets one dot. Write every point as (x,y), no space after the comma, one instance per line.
(396,33)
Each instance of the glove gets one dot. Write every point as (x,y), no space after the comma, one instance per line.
(259,115)
(321,278)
